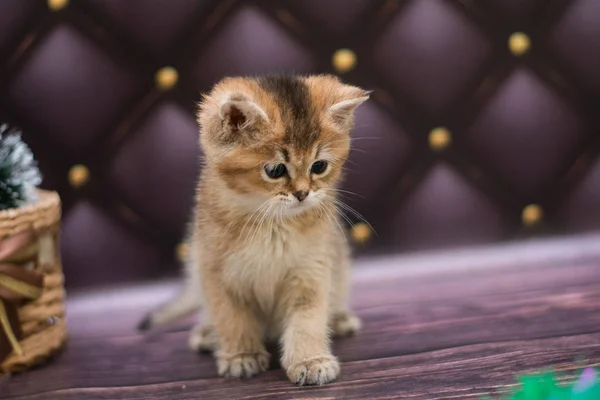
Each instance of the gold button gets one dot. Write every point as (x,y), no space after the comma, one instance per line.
(439,138)
(79,175)
(182,251)
(56,5)
(361,232)
(532,214)
(519,43)
(344,60)
(166,78)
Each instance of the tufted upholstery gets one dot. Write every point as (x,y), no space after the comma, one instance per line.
(80,81)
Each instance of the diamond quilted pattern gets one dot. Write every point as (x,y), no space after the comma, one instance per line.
(429,53)
(513,8)
(156,169)
(581,210)
(528,124)
(46,163)
(79,83)
(13,16)
(336,16)
(70,89)
(251,44)
(446,210)
(380,149)
(107,253)
(153,23)
(576,39)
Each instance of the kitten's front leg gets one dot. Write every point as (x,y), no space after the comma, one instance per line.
(240,352)
(307,355)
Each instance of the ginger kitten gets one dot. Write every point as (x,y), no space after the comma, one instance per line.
(269,257)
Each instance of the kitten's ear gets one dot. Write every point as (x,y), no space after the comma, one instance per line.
(238,113)
(342,113)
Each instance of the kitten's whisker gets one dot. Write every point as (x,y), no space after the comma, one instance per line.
(352,149)
(359,150)
(345,191)
(271,225)
(346,168)
(262,220)
(335,158)
(326,146)
(355,213)
(252,216)
(363,126)
(331,201)
(322,210)
(277,219)
(254,225)
(346,207)
(255,212)
(365,137)
(254,228)
(331,216)
(342,159)
(351,140)
(257,227)
(344,216)
(281,214)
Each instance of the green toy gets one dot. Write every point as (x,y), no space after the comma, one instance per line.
(546,386)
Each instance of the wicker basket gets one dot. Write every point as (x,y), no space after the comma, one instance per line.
(40,329)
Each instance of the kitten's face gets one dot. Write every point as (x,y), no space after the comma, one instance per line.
(279,144)
(284,180)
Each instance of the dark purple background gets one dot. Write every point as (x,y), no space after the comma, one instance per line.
(80,82)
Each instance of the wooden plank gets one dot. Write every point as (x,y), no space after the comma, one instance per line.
(403,317)
(121,310)
(457,373)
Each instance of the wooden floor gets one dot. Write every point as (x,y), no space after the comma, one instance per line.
(453,334)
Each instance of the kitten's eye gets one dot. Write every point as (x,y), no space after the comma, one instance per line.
(318,167)
(275,171)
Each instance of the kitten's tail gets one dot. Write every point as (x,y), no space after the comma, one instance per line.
(187,301)
(182,305)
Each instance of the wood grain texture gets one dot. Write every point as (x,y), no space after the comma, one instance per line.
(432,336)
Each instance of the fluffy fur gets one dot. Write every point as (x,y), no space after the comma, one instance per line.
(270,259)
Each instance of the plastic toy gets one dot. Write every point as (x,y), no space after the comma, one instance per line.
(546,386)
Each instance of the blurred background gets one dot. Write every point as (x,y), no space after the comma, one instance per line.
(483,126)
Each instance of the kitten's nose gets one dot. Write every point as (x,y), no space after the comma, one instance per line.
(301,194)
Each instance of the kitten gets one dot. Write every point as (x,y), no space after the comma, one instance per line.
(269,258)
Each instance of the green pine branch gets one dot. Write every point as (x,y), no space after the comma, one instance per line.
(19,174)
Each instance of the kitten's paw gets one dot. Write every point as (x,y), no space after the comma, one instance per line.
(243,365)
(316,371)
(203,338)
(345,323)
